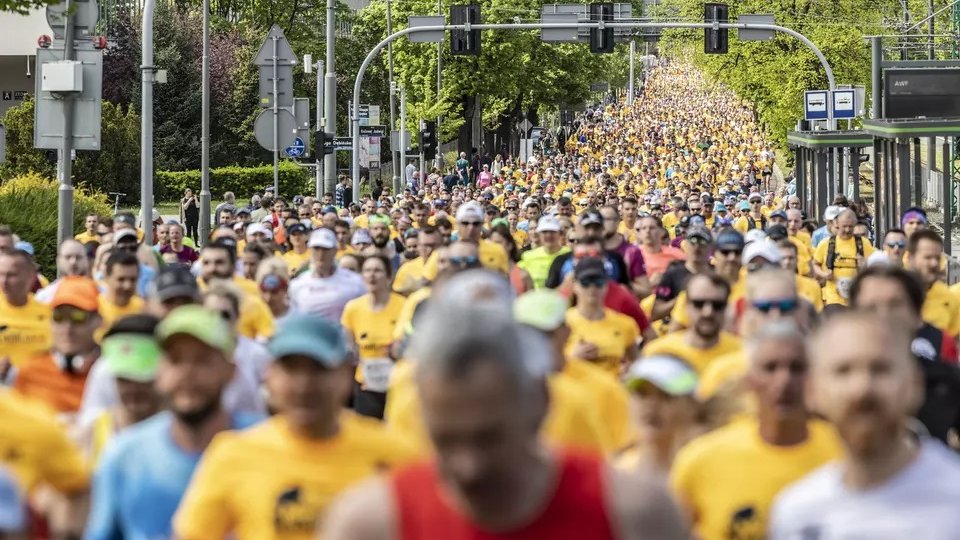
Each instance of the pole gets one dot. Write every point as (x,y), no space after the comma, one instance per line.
(330,95)
(146,116)
(439,159)
(423,167)
(65,194)
(205,129)
(318,189)
(397,166)
(876,57)
(633,53)
(403,142)
(358,82)
(276,122)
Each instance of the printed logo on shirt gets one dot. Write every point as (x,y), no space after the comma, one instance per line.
(745,524)
(297,510)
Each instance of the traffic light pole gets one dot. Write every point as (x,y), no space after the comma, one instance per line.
(330,91)
(65,194)
(147,77)
(358,83)
(318,188)
(205,129)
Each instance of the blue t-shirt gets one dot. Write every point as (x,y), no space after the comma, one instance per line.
(141,478)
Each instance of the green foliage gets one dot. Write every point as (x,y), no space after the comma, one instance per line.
(28,205)
(243,181)
(24,6)
(114,168)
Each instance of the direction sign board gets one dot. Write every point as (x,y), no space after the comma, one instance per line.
(753,34)
(816,105)
(373,131)
(48,118)
(343,143)
(844,104)
(432,36)
(296,149)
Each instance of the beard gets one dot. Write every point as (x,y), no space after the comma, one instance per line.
(410,254)
(707,328)
(866,426)
(197,416)
(380,242)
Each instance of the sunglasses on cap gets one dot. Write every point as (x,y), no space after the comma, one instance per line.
(593,281)
(787,305)
(470,261)
(717,305)
(72,315)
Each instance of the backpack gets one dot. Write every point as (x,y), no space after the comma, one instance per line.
(752,223)
(832,250)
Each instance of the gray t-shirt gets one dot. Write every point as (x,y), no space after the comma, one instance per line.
(921,502)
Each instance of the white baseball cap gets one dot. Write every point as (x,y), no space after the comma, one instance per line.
(548,224)
(470,211)
(764,249)
(668,373)
(322,238)
(831,213)
(754,235)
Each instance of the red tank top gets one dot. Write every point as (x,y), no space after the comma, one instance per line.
(576,511)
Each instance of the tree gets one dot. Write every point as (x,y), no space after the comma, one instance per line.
(24,6)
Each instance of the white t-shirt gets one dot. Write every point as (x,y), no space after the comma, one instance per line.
(922,502)
(325,296)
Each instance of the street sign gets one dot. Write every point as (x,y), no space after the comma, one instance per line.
(524,126)
(301,112)
(343,143)
(284,51)
(600,87)
(296,149)
(48,115)
(755,35)
(432,36)
(276,43)
(284,86)
(373,131)
(85,16)
(844,104)
(395,139)
(286,129)
(622,11)
(559,34)
(816,105)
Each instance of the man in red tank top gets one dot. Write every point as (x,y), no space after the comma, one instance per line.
(480,380)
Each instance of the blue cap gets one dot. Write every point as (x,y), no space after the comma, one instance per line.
(719,207)
(329,208)
(311,336)
(24,246)
(730,238)
(779,214)
(744,205)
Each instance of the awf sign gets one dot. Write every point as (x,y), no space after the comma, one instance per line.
(844,104)
(816,105)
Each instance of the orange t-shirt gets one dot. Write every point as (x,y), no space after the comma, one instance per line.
(657,263)
(40,378)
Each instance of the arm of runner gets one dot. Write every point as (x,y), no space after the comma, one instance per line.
(365,512)
(643,508)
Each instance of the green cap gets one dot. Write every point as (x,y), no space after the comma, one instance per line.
(200,323)
(543,309)
(379,218)
(131,356)
(668,373)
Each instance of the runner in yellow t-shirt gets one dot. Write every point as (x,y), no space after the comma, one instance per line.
(838,258)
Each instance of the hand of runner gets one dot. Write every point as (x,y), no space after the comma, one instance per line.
(585,351)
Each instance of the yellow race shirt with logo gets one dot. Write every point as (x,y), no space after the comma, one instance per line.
(269,483)
(613,336)
(728,478)
(372,331)
(941,308)
(675,344)
(837,289)
(35,448)
(24,330)
(295,261)
(608,396)
(111,313)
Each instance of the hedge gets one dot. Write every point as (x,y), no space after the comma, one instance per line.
(28,204)
(242,181)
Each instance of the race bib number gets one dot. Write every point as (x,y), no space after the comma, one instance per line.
(843,287)
(376,374)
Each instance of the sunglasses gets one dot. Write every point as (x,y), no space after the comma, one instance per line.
(471,223)
(900,245)
(226,315)
(788,305)
(465,262)
(717,305)
(728,252)
(595,281)
(74,316)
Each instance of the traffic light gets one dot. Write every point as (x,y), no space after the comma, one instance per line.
(428,140)
(601,41)
(463,42)
(323,144)
(715,41)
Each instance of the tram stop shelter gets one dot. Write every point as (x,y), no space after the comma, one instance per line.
(897,182)
(820,169)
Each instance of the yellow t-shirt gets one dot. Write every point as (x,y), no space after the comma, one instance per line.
(492,257)
(941,308)
(408,310)
(837,288)
(804,256)
(675,344)
(269,483)
(722,371)
(372,331)
(256,319)
(24,330)
(86,237)
(729,477)
(409,274)
(295,261)
(742,224)
(35,448)
(111,313)
(809,289)
(521,238)
(613,335)
(608,396)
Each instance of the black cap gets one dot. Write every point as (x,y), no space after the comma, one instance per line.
(297,228)
(730,239)
(777,231)
(590,267)
(176,281)
(126,217)
(590,217)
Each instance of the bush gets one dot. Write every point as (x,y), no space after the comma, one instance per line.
(28,204)
(242,181)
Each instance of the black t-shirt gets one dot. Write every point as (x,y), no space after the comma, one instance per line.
(674,281)
(562,265)
(940,410)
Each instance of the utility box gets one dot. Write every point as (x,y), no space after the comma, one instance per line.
(63,76)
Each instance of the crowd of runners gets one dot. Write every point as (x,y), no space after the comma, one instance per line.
(639,333)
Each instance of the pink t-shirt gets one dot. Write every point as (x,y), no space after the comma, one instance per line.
(484,179)
(657,263)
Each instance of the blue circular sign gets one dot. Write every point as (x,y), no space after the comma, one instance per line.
(296,149)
